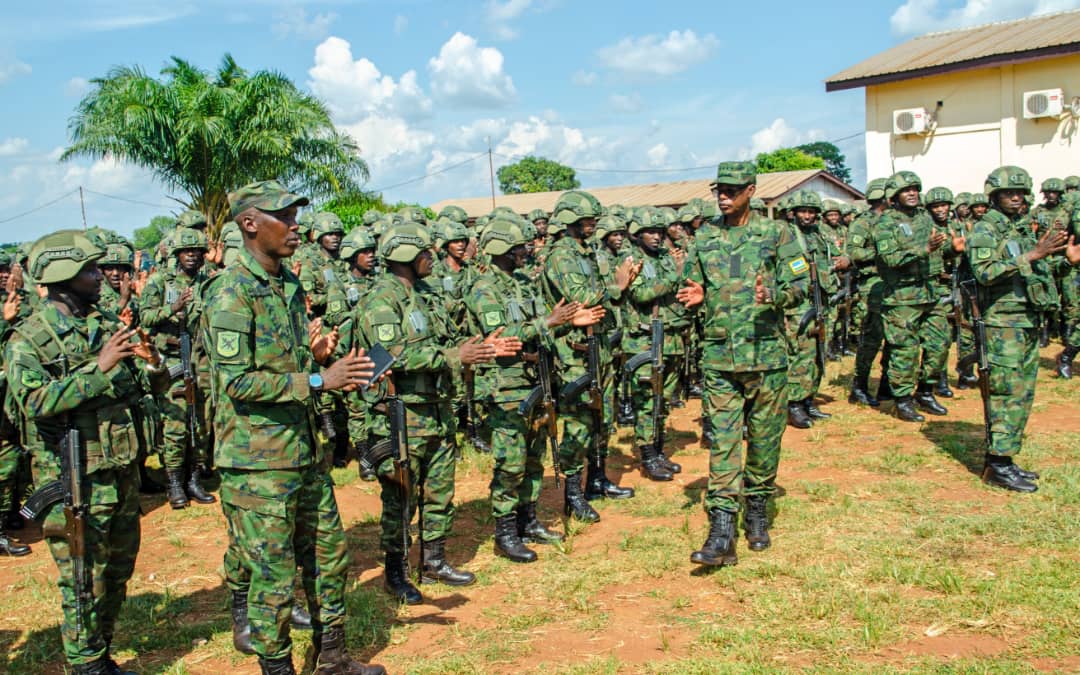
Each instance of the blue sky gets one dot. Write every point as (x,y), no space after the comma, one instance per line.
(624,92)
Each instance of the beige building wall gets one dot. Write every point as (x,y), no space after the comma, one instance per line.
(980,125)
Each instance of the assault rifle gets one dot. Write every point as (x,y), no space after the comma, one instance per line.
(396,447)
(816,315)
(189,390)
(568,396)
(979,357)
(547,421)
(655,358)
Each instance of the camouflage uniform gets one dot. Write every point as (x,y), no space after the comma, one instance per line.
(938,337)
(321,270)
(863,254)
(119,255)
(56,384)
(14,462)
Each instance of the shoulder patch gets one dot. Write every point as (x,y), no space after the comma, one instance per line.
(385,332)
(31,379)
(983,254)
(227,344)
(799,265)
(493,319)
(857,240)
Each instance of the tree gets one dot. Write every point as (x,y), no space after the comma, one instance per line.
(147,238)
(787,159)
(535,174)
(835,162)
(351,207)
(205,134)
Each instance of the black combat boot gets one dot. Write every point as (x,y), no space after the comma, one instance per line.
(175,490)
(924,398)
(331,657)
(905,410)
(797,416)
(282,666)
(13,522)
(673,467)
(396,580)
(99,667)
(196,491)
(8,547)
(1065,361)
(942,386)
(531,530)
(832,353)
(695,390)
(884,389)
(574,502)
(651,466)
(597,485)
(706,432)
(756,523)
(241,627)
(814,412)
(508,543)
(147,485)
(112,668)
(300,617)
(860,393)
(1000,471)
(966,378)
(719,547)
(437,569)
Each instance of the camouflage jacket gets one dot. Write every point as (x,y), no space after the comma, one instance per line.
(807,244)
(255,328)
(453,285)
(343,298)
(905,265)
(55,384)
(577,274)
(860,244)
(656,284)
(319,272)
(740,334)
(1044,217)
(155,307)
(1012,291)
(27,304)
(110,299)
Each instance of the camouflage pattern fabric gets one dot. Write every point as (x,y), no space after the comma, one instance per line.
(804,374)
(319,272)
(863,253)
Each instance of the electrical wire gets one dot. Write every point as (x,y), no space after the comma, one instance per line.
(38,208)
(123,199)
(429,175)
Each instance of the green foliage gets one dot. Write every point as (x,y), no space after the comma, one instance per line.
(206,133)
(147,238)
(787,159)
(536,174)
(835,162)
(351,207)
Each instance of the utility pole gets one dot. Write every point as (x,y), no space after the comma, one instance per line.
(491,172)
(82,205)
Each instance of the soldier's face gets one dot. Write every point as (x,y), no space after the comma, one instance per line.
(1053,198)
(520,255)
(614,241)
(733,198)
(805,217)
(675,231)
(908,198)
(651,238)
(588,227)
(963,211)
(191,259)
(1010,201)
(5,274)
(848,218)
(365,260)
(276,233)
(541,227)
(331,242)
(456,249)
(114,274)
(422,264)
(939,211)
(832,218)
(86,285)
(979,210)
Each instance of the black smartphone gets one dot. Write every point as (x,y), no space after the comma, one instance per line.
(383,360)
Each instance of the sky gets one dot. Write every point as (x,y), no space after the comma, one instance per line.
(624,92)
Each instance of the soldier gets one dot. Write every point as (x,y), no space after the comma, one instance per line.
(452,273)
(871,331)
(358,252)
(168,307)
(1014,271)
(539,220)
(1070,305)
(745,286)
(13,460)
(117,268)
(943,265)
(505,301)
(962,208)
(575,273)
(979,206)
(72,378)
(758,206)
(276,494)
(905,240)
(1053,212)
(323,268)
(652,296)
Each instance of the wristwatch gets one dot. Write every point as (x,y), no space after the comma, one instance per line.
(315,382)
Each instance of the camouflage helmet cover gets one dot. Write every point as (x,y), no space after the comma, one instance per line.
(1007,178)
(501,235)
(1072,182)
(939,195)
(371,216)
(900,181)
(875,189)
(403,243)
(574,205)
(806,199)
(412,213)
(453,231)
(59,256)
(187,237)
(758,204)
(358,239)
(647,219)
(328,222)
(118,255)
(537,214)
(979,199)
(191,218)
(1053,185)
(962,198)
(608,224)
(832,205)
(455,213)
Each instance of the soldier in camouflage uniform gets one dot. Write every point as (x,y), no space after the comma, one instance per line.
(1014,271)
(70,367)
(117,267)
(276,492)
(1070,304)
(745,286)
(575,273)
(169,308)
(980,204)
(14,462)
(962,207)
(905,240)
(323,269)
(943,265)
(1053,212)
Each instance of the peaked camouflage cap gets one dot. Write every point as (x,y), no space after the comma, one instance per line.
(938,195)
(191,218)
(501,235)
(736,173)
(327,222)
(1053,185)
(188,237)
(59,256)
(1007,178)
(402,243)
(118,255)
(265,195)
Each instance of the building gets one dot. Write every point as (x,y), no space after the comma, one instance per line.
(954,105)
(770,187)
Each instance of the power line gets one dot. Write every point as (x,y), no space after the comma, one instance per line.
(429,175)
(125,199)
(38,208)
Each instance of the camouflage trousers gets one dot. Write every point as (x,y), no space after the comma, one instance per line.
(174,432)
(577,440)
(643,397)
(759,398)
(432,463)
(14,475)
(906,335)
(519,459)
(936,338)
(112,542)
(803,372)
(871,330)
(1070,307)
(1014,362)
(278,520)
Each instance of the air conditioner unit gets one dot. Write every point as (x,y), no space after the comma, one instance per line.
(1043,103)
(909,121)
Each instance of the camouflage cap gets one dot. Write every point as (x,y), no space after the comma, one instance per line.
(501,235)
(1072,182)
(736,173)
(265,195)
(1053,185)
(962,198)
(938,195)
(574,205)
(188,238)
(1007,178)
(118,255)
(979,199)
(327,222)
(358,239)
(402,243)
(59,256)
(537,214)
(191,218)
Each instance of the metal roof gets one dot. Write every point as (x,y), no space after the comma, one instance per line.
(770,186)
(978,47)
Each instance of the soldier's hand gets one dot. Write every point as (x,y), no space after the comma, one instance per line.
(138,259)
(692,294)
(322,346)
(42,291)
(307,304)
(762,295)
(589,316)
(140,281)
(841,263)
(474,351)
(127,316)
(182,301)
(296,267)
(936,240)
(679,256)
(11,306)
(470,248)
(14,280)
(562,312)
(626,272)
(1072,251)
(145,349)
(350,372)
(125,288)
(959,242)
(1052,241)
(117,348)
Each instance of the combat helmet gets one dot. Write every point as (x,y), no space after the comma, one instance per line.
(574,205)
(669,214)
(617,210)
(806,199)
(831,205)
(101,237)
(938,195)
(187,237)
(305,222)
(453,231)
(875,189)
(327,222)
(646,219)
(501,235)
(58,257)
(1072,182)
(537,214)
(6,259)
(1007,178)
(901,180)
(962,198)
(402,243)
(688,212)
(413,214)
(979,198)
(371,216)
(192,219)
(609,224)
(1052,185)
(359,239)
(118,255)
(455,213)
(758,204)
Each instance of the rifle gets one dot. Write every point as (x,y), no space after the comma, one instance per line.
(470,414)
(845,325)
(568,396)
(189,390)
(979,357)
(656,377)
(547,421)
(396,447)
(816,314)
(69,490)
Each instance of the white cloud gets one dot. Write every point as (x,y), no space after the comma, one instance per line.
(467,75)
(294,21)
(658,155)
(583,78)
(9,70)
(923,16)
(658,54)
(382,139)
(625,103)
(13,146)
(353,88)
(500,14)
(778,135)
(77,86)
(401,22)
(537,136)
(139,20)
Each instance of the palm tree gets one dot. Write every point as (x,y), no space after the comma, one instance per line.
(205,134)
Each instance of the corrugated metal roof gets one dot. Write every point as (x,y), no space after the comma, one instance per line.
(770,186)
(980,46)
